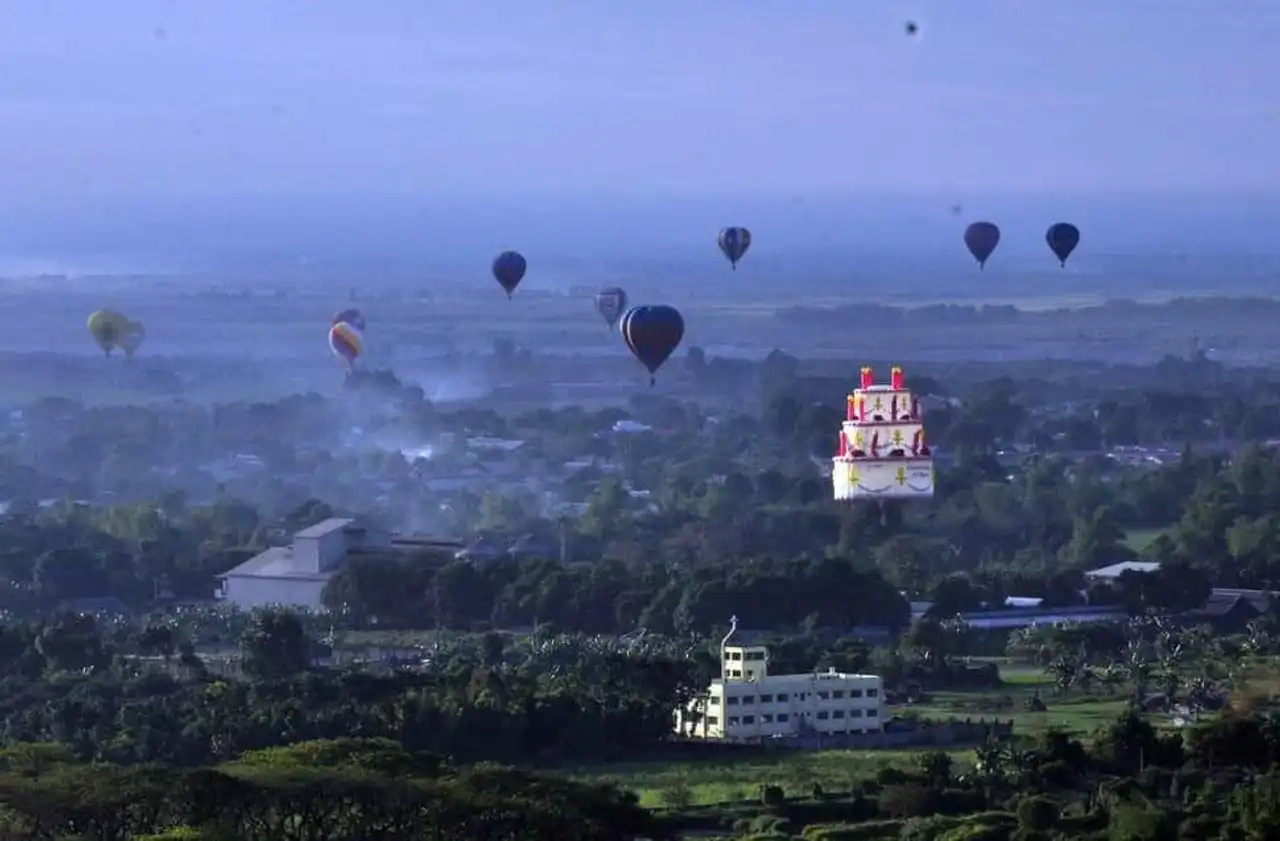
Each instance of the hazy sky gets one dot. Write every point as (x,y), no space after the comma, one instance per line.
(381,97)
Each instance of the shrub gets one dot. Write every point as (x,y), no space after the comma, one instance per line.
(1037,813)
(911,800)
(771,795)
(868,831)
(978,832)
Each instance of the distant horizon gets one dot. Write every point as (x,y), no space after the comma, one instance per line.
(618,233)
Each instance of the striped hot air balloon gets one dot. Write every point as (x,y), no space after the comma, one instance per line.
(346,342)
(611,303)
(734,243)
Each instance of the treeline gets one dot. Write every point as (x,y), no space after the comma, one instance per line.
(1211,521)
(1128,782)
(318,791)
(750,545)
(880,315)
(610,597)
(142,696)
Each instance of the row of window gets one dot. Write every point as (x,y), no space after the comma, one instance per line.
(783,718)
(784,697)
(750,655)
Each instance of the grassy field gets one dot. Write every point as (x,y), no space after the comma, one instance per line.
(1140,539)
(720,781)
(1076,714)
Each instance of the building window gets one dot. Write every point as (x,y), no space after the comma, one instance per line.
(733,721)
(766,699)
(855,693)
(712,720)
(782,718)
(837,713)
(748,719)
(767,718)
(855,713)
(735,655)
(838,694)
(732,700)
(714,700)
(822,716)
(872,714)
(801,696)
(782,697)
(824,696)
(748,699)
(735,673)
(871,693)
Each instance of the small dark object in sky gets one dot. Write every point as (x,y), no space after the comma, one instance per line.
(912,28)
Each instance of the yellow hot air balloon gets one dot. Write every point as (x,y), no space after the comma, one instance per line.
(107,327)
(132,338)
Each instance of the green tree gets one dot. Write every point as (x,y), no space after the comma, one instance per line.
(275,645)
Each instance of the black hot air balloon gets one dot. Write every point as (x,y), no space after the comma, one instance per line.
(734,243)
(981,238)
(611,303)
(652,333)
(508,269)
(1063,237)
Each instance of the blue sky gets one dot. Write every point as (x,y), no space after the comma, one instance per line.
(152,99)
(585,130)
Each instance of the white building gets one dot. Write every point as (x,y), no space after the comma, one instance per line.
(295,575)
(747,703)
(1114,571)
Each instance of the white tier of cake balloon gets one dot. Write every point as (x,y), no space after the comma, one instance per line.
(882,452)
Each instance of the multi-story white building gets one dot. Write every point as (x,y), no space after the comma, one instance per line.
(747,703)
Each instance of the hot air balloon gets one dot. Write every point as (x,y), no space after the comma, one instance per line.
(132,337)
(611,303)
(350,316)
(1063,237)
(652,333)
(106,327)
(981,238)
(734,243)
(346,343)
(508,269)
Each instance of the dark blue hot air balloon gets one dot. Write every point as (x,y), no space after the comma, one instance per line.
(981,238)
(611,303)
(652,333)
(508,269)
(734,242)
(1063,237)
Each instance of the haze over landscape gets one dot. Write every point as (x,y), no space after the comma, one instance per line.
(238,135)
(403,403)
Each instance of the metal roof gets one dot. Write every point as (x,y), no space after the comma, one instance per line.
(324,528)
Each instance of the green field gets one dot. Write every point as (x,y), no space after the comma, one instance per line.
(1140,539)
(722,781)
